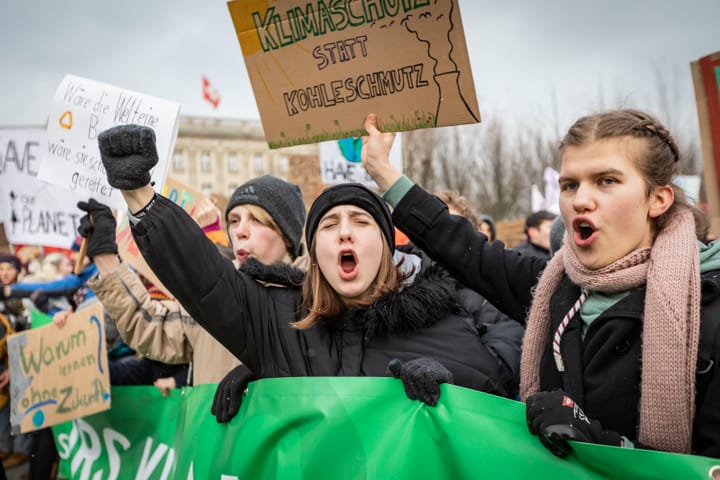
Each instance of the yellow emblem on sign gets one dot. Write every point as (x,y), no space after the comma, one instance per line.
(66,120)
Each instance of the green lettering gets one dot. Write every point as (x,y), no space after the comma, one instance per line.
(61,407)
(267,42)
(30,362)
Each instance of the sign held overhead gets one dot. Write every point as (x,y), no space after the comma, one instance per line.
(318,68)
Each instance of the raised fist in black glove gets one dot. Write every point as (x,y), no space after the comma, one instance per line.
(555,418)
(98,226)
(421,378)
(228,395)
(128,153)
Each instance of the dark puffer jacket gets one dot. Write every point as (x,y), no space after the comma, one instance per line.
(604,368)
(253,319)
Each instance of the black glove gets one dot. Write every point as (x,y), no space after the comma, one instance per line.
(98,226)
(128,153)
(555,418)
(421,378)
(228,395)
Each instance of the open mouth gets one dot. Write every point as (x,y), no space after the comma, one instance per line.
(348,264)
(585,232)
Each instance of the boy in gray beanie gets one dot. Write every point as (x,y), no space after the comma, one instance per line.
(282,200)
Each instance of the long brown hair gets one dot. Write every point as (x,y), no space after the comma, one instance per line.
(657,155)
(322,301)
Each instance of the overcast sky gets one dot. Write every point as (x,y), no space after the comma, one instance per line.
(526,55)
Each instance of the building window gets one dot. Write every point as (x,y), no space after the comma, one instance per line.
(283,165)
(205,165)
(206,188)
(232,162)
(231,188)
(178,161)
(258,163)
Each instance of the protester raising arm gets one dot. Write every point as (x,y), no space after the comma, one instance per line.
(597,364)
(128,153)
(354,313)
(503,277)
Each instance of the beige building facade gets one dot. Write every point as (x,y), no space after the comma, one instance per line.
(216,155)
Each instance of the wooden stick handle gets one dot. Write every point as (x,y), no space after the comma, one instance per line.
(83,251)
(81,256)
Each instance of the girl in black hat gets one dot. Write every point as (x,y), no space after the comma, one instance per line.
(356,310)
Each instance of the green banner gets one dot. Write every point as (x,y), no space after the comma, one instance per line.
(335,428)
(39,319)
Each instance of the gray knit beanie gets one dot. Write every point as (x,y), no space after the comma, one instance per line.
(281,199)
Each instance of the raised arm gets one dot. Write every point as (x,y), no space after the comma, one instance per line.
(207,284)
(502,276)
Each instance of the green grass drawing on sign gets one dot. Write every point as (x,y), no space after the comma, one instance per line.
(417,121)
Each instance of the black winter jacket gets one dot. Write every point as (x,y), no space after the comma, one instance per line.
(604,368)
(499,333)
(253,320)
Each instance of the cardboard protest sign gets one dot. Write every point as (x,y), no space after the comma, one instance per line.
(318,68)
(57,374)
(180,193)
(82,109)
(35,212)
(706,77)
(340,161)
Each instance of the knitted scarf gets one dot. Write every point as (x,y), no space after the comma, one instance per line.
(671,326)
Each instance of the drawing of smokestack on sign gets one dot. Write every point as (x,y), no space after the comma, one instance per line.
(445,71)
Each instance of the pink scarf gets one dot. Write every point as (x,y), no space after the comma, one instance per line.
(671,326)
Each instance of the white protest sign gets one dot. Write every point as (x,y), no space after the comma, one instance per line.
(340,161)
(83,108)
(34,212)
(690,184)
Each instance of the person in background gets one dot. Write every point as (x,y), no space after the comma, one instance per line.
(597,364)
(14,449)
(264,218)
(537,233)
(54,295)
(458,205)
(486,226)
(12,308)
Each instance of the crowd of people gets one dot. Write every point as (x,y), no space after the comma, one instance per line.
(601,322)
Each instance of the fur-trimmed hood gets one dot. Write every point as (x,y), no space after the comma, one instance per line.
(279,274)
(427,300)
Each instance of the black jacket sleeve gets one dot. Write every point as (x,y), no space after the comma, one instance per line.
(504,277)
(231,306)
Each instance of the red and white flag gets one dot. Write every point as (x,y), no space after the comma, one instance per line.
(210,93)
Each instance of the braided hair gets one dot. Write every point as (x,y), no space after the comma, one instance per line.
(658,157)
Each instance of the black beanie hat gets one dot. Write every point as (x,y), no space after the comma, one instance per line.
(13,260)
(351,194)
(281,199)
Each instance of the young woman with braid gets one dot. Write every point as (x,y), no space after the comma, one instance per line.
(611,353)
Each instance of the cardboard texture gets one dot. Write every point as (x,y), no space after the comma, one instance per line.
(180,193)
(706,78)
(318,68)
(58,374)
